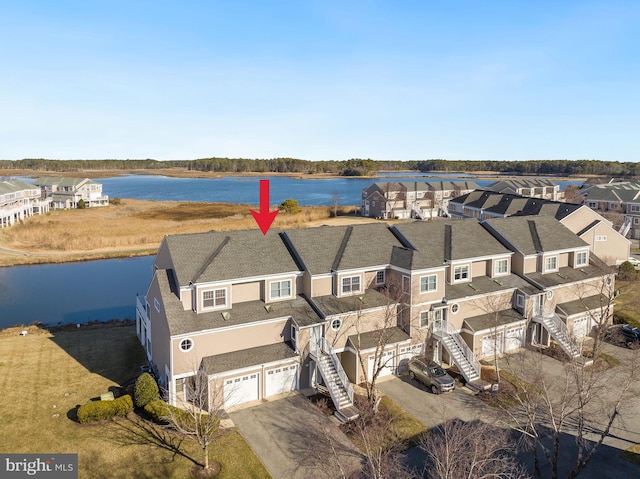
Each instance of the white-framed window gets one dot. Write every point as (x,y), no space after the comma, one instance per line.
(636,221)
(461,273)
(501,266)
(156,303)
(214,298)
(294,334)
(601,237)
(406,284)
(438,314)
(336,324)
(380,277)
(186,344)
(428,283)
(280,289)
(350,284)
(424,319)
(455,307)
(551,263)
(634,208)
(581,258)
(520,300)
(592,204)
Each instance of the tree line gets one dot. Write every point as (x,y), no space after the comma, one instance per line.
(351,167)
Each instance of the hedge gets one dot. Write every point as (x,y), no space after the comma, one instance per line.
(101,410)
(161,413)
(145,390)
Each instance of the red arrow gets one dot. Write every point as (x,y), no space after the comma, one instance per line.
(265,217)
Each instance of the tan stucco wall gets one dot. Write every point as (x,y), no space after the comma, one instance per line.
(322,286)
(530,265)
(417,297)
(363,322)
(517,264)
(612,251)
(244,292)
(479,268)
(160,349)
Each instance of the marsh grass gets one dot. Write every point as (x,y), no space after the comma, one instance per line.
(45,376)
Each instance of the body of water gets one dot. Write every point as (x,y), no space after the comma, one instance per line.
(73,292)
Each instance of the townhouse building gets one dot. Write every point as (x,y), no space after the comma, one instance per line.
(65,193)
(18,201)
(605,241)
(419,200)
(531,187)
(332,306)
(619,201)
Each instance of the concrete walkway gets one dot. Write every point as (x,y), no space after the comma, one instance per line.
(295,440)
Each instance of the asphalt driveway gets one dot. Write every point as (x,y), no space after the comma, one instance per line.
(295,440)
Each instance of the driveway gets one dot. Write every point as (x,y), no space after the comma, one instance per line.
(295,440)
(432,410)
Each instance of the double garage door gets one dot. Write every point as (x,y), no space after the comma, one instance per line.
(387,360)
(242,389)
(506,341)
(406,353)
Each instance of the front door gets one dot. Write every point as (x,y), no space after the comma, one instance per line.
(536,333)
(538,303)
(316,335)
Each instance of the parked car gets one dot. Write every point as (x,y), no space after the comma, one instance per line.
(634,261)
(431,375)
(631,335)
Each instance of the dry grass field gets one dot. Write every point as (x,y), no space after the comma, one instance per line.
(43,376)
(133,228)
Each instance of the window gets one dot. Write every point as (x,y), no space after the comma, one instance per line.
(437,315)
(186,345)
(520,301)
(501,266)
(424,319)
(581,258)
(214,298)
(156,303)
(380,277)
(351,284)
(601,238)
(455,307)
(551,263)
(461,273)
(294,334)
(428,283)
(281,289)
(634,208)
(406,284)
(335,324)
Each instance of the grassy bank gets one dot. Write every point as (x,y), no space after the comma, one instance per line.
(43,376)
(133,228)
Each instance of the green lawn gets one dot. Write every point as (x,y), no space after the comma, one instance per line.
(44,377)
(627,305)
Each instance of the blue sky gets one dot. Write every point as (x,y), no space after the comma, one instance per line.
(320,80)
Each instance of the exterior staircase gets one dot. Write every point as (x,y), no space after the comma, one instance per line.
(626,226)
(335,380)
(461,355)
(558,331)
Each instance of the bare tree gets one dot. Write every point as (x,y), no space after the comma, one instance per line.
(458,449)
(335,202)
(580,401)
(597,299)
(198,414)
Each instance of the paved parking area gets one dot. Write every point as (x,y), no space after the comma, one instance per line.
(295,440)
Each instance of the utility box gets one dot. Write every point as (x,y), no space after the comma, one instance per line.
(106,396)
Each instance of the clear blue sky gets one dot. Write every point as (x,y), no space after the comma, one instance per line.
(316,80)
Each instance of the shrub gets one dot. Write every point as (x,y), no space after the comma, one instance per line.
(81,204)
(102,410)
(290,206)
(158,411)
(627,272)
(145,390)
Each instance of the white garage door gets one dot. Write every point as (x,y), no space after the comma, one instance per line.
(491,346)
(386,360)
(241,389)
(513,339)
(281,380)
(406,353)
(580,327)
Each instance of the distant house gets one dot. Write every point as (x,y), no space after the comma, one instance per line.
(532,187)
(19,200)
(621,200)
(606,242)
(412,199)
(65,193)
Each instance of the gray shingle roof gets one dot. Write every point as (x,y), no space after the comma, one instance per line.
(535,234)
(440,241)
(369,340)
(72,182)
(485,285)
(12,186)
(615,192)
(591,303)
(492,320)
(220,256)
(565,275)
(331,305)
(245,358)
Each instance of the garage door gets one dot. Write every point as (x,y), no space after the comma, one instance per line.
(513,339)
(406,353)
(386,359)
(580,327)
(241,389)
(490,346)
(281,380)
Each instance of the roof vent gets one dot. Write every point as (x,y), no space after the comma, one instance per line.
(226,315)
(268,307)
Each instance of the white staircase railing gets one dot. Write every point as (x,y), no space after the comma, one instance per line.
(558,330)
(626,226)
(443,330)
(321,348)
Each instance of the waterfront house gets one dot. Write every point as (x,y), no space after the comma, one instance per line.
(531,187)
(419,200)
(65,193)
(328,307)
(19,200)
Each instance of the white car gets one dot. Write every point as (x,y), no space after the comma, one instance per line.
(634,261)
